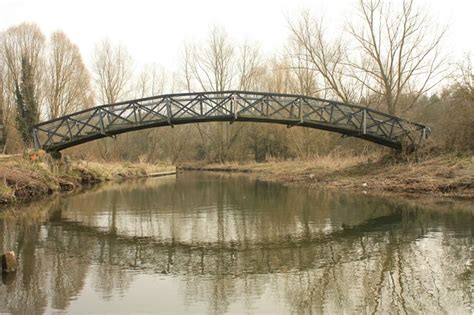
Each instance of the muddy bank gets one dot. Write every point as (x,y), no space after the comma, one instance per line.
(446,175)
(23,180)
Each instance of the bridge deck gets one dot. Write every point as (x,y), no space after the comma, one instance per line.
(173,109)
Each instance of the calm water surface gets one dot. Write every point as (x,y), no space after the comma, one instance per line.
(214,243)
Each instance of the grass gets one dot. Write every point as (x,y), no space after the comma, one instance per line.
(447,175)
(25,180)
(97,172)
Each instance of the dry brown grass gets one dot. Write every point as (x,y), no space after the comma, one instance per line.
(447,175)
(318,164)
(21,179)
(98,172)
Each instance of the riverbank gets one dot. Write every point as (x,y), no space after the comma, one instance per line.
(23,180)
(445,175)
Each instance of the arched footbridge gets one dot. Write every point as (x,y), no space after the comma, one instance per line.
(232,106)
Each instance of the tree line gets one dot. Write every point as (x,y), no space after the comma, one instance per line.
(388,57)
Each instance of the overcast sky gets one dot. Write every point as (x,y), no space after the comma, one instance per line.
(154,31)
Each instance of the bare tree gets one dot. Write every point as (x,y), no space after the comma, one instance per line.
(454,114)
(305,78)
(68,82)
(394,60)
(212,66)
(22,52)
(464,80)
(25,41)
(400,58)
(278,76)
(312,51)
(250,66)
(188,60)
(150,81)
(112,67)
(112,71)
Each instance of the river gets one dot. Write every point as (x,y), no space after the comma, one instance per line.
(221,243)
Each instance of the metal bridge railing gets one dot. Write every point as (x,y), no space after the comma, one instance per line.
(171,109)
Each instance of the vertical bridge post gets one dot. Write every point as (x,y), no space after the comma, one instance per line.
(36,139)
(234,105)
(300,110)
(168,111)
(101,121)
(364,122)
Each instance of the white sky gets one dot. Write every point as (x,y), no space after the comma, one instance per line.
(154,31)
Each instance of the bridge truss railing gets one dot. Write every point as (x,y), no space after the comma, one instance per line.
(168,110)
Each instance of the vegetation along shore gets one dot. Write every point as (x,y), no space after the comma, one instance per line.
(447,175)
(444,175)
(25,180)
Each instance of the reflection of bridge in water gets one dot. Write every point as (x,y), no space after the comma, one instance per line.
(260,228)
(374,248)
(232,106)
(234,257)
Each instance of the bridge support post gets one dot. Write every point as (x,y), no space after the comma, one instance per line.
(168,112)
(364,122)
(36,139)
(101,122)
(300,110)
(234,106)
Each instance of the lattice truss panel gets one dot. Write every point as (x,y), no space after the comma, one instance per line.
(167,110)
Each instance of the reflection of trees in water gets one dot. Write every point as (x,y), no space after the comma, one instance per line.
(222,211)
(408,271)
(318,251)
(45,268)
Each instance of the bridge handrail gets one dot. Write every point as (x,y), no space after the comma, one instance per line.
(169,109)
(164,96)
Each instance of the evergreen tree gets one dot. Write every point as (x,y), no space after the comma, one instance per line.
(27,105)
